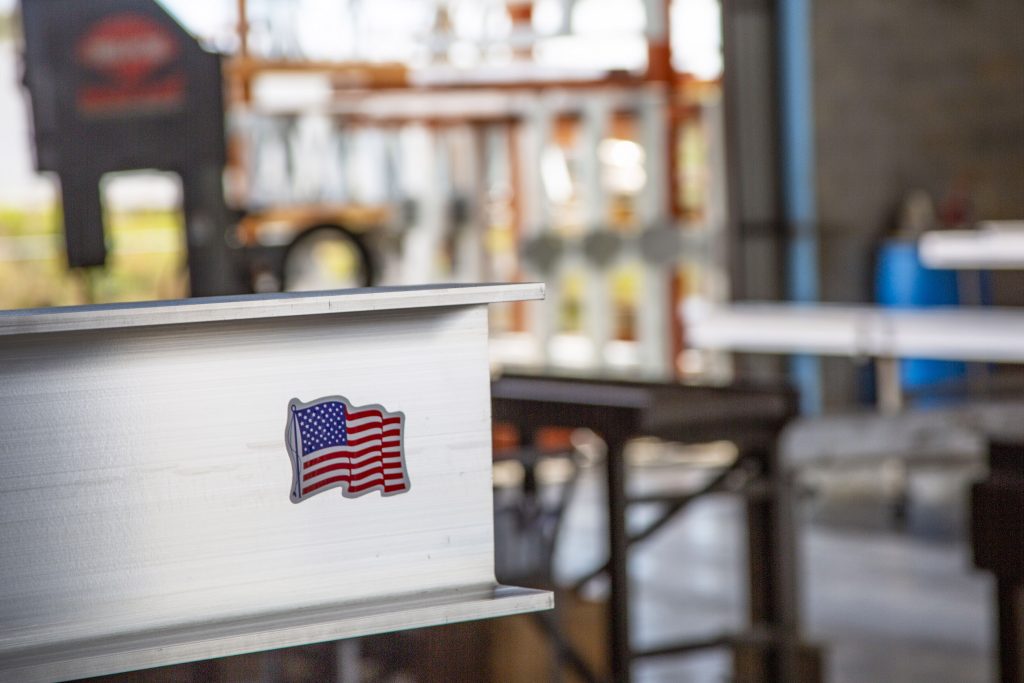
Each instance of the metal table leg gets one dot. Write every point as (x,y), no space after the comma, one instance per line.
(618,632)
(772,576)
(997,530)
(1009,617)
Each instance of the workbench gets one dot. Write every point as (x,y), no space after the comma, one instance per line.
(752,418)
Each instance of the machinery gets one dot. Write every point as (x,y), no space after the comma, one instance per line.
(119,85)
(593,180)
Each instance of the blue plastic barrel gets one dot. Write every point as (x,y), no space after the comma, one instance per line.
(902,281)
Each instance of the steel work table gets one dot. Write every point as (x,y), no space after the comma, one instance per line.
(750,417)
(166,494)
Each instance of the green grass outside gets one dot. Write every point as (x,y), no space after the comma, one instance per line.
(145,260)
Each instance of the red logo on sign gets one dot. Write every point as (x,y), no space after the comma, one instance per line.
(129,49)
(127,46)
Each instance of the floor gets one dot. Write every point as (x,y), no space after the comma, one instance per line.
(886,604)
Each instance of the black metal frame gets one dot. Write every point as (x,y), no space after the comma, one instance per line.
(997,542)
(752,418)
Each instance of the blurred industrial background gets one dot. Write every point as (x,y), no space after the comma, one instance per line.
(666,167)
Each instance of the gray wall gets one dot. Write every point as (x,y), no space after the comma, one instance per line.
(912,94)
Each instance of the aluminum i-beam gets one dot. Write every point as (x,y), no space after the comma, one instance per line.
(158,499)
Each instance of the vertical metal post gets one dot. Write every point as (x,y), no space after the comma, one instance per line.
(1008,620)
(389,260)
(654,312)
(597,298)
(772,570)
(242,27)
(751,121)
(618,548)
(757,264)
(210,265)
(659,47)
(426,148)
(535,133)
(469,178)
(799,203)
(348,667)
(890,391)
(997,530)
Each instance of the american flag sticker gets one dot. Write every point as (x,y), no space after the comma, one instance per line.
(334,444)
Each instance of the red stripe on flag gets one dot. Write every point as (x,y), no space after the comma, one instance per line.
(388,487)
(374,426)
(339,454)
(386,437)
(363,439)
(386,418)
(346,466)
(352,466)
(373,416)
(377,481)
(387,447)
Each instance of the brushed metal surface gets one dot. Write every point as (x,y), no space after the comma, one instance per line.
(217,639)
(144,486)
(236,308)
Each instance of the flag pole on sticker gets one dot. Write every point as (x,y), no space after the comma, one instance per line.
(333,444)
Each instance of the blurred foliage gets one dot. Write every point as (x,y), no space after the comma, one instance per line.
(146,260)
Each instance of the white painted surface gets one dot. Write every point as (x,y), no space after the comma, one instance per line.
(654,307)
(597,296)
(994,246)
(992,334)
